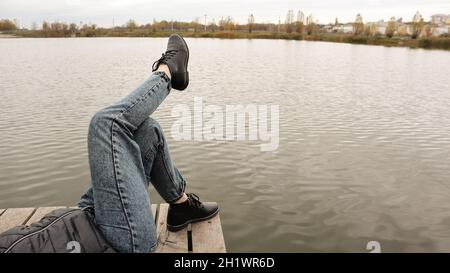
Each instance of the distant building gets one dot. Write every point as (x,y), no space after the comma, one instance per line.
(343,28)
(440,19)
(327,28)
(441,24)
(381,26)
(440,30)
(438,25)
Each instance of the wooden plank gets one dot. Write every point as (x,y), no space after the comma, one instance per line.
(14,217)
(207,236)
(153,208)
(169,242)
(41,212)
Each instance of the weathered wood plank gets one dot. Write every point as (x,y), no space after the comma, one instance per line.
(153,208)
(41,212)
(207,236)
(14,217)
(169,242)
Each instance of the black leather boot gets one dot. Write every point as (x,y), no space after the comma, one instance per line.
(176,58)
(190,211)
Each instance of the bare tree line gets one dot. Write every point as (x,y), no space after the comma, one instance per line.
(293,24)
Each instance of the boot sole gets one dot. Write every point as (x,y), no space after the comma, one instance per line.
(185,68)
(196,220)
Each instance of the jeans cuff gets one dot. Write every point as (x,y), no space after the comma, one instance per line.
(163,75)
(183,190)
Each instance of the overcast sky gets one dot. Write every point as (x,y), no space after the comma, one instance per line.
(102,12)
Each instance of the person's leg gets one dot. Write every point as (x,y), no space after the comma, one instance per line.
(167,180)
(122,205)
(121,163)
(158,166)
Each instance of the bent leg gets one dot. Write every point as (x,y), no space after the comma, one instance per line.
(122,205)
(158,166)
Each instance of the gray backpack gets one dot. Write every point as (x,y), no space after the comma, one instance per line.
(61,231)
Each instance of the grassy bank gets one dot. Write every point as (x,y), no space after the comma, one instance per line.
(427,43)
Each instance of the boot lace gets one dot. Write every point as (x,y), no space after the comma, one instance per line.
(194,200)
(164,58)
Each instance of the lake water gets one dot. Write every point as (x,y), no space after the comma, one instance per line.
(364,136)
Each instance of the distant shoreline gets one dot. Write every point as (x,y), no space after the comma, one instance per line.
(425,43)
(3,35)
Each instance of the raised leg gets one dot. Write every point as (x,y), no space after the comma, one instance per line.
(122,205)
(127,149)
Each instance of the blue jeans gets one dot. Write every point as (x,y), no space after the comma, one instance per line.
(127,149)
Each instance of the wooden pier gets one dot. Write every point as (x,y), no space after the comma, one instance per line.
(203,237)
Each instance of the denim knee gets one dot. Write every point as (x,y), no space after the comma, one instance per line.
(98,122)
(154,132)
